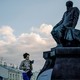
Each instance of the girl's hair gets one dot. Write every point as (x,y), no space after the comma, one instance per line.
(25,55)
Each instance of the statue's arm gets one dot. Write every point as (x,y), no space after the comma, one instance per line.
(76,16)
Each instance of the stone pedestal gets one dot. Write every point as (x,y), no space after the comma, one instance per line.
(67,63)
(64,62)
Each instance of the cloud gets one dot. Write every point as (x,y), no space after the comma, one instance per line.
(7,40)
(6,33)
(44,28)
(35,43)
(31,38)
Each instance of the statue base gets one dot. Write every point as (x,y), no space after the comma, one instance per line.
(67,64)
(64,62)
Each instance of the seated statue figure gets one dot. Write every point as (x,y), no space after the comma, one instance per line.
(64,32)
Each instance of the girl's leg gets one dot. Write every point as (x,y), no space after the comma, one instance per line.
(25,77)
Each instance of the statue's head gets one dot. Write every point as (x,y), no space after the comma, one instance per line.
(69,3)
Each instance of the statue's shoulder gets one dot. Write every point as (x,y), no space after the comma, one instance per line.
(75,9)
(65,12)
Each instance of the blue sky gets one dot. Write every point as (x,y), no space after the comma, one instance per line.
(25,26)
(22,15)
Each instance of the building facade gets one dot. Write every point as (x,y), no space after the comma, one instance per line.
(10,73)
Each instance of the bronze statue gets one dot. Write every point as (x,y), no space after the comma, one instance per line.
(68,38)
(64,32)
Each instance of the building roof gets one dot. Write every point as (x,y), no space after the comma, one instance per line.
(10,68)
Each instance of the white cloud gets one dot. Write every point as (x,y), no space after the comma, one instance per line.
(6,30)
(31,38)
(12,48)
(7,34)
(44,28)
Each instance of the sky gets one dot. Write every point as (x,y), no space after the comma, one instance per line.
(25,26)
